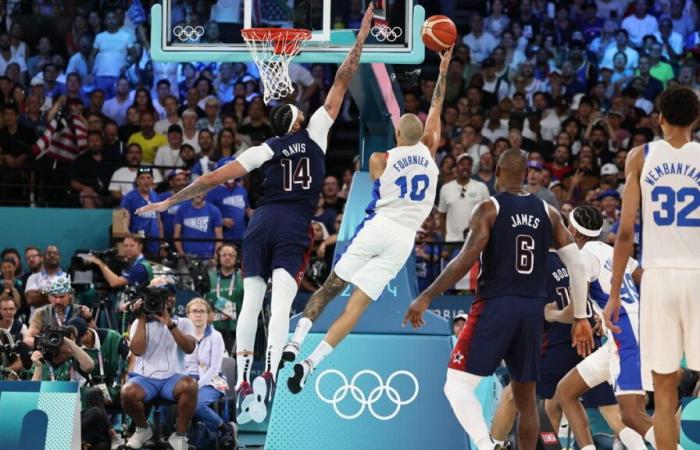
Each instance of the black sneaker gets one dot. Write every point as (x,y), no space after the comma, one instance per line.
(227,435)
(290,351)
(296,382)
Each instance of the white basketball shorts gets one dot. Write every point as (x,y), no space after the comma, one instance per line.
(375,255)
(670,319)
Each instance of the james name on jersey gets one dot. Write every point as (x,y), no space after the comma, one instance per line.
(525,220)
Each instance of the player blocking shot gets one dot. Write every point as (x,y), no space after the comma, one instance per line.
(664,178)
(511,233)
(278,237)
(405,182)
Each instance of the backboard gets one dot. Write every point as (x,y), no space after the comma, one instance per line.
(212,33)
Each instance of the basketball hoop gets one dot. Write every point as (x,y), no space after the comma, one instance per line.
(272,50)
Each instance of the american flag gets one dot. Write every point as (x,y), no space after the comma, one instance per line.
(64,139)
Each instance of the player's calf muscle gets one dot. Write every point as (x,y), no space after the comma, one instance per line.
(323,296)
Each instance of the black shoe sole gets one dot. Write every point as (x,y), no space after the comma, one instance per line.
(294,382)
(288,356)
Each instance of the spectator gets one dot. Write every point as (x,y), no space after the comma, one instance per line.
(493,84)
(131,124)
(197,220)
(60,309)
(457,200)
(204,164)
(146,224)
(671,41)
(609,203)
(535,185)
(91,174)
(605,39)
(683,24)
(144,102)
(232,200)
(81,61)
(258,129)
(660,70)
(36,63)
(226,293)
(621,45)
(122,181)
(38,283)
(162,92)
(33,260)
(11,285)
(471,139)
(458,323)
(189,75)
(192,102)
(190,133)
(160,347)
(109,47)
(168,156)
(116,107)
(651,86)
(204,365)
(171,115)
(559,167)
(15,151)
(211,110)
(486,173)
(13,255)
(16,328)
(188,157)
(640,23)
(497,22)
(480,42)
(138,272)
(177,180)
(331,188)
(147,138)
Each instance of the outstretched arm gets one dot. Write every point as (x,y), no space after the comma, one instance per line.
(479,232)
(431,133)
(345,72)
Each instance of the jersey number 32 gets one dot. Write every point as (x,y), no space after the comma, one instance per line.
(667,198)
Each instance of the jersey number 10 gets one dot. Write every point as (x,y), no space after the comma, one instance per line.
(419,184)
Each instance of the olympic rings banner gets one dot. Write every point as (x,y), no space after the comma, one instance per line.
(374,391)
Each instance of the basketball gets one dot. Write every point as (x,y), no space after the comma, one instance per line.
(439,33)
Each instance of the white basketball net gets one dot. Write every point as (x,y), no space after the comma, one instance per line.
(272,50)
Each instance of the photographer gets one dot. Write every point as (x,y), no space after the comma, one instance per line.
(57,313)
(17,330)
(160,343)
(226,294)
(139,271)
(204,364)
(58,357)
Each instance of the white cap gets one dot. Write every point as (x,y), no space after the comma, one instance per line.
(461,316)
(609,169)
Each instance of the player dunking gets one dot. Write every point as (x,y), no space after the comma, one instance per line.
(663,176)
(505,320)
(404,193)
(277,240)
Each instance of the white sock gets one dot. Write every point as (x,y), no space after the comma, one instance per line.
(589,447)
(632,439)
(459,389)
(284,289)
(253,296)
(302,329)
(322,350)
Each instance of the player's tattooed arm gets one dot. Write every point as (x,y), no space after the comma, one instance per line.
(347,69)
(431,134)
(333,286)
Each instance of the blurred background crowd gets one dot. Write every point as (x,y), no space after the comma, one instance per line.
(90,120)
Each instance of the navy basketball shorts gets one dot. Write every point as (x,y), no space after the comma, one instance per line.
(501,328)
(278,237)
(555,362)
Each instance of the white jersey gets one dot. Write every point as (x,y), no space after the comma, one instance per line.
(405,192)
(670,189)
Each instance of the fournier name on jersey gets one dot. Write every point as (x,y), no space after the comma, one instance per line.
(411,160)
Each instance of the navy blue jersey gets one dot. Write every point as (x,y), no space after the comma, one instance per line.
(296,172)
(558,291)
(514,262)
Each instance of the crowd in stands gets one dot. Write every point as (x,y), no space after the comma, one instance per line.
(91,120)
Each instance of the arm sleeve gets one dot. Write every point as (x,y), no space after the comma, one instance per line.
(255,157)
(591,266)
(319,124)
(571,257)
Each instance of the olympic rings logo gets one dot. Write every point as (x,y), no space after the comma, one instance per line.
(385,33)
(366,401)
(187,32)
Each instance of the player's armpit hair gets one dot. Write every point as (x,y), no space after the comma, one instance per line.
(333,286)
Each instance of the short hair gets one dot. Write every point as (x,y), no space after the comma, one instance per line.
(623,31)
(8,261)
(679,106)
(97,91)
(134,237)
(94,133)
(31,247)
(281,119)
(162,82)
(12,106)
(411,128)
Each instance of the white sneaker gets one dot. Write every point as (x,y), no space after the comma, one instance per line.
(178,442)
(290,351)
(117,441)
(140,436)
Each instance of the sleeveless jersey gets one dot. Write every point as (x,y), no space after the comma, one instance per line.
(405,192)
(670,189)
(598,257)
(295,173)
(514,262)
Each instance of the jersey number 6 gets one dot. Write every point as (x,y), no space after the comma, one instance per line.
(419,184)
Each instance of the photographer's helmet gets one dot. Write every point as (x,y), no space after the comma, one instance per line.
(60,286)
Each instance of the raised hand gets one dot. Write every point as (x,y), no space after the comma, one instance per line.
(445,58)
(367,20)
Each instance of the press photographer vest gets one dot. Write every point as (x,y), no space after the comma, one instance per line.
(146,265)
(48,317)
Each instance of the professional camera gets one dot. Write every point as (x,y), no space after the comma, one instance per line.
(83,274)
(50,339)
(154,298)
(199,274)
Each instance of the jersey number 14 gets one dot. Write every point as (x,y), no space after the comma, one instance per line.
(299,175)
